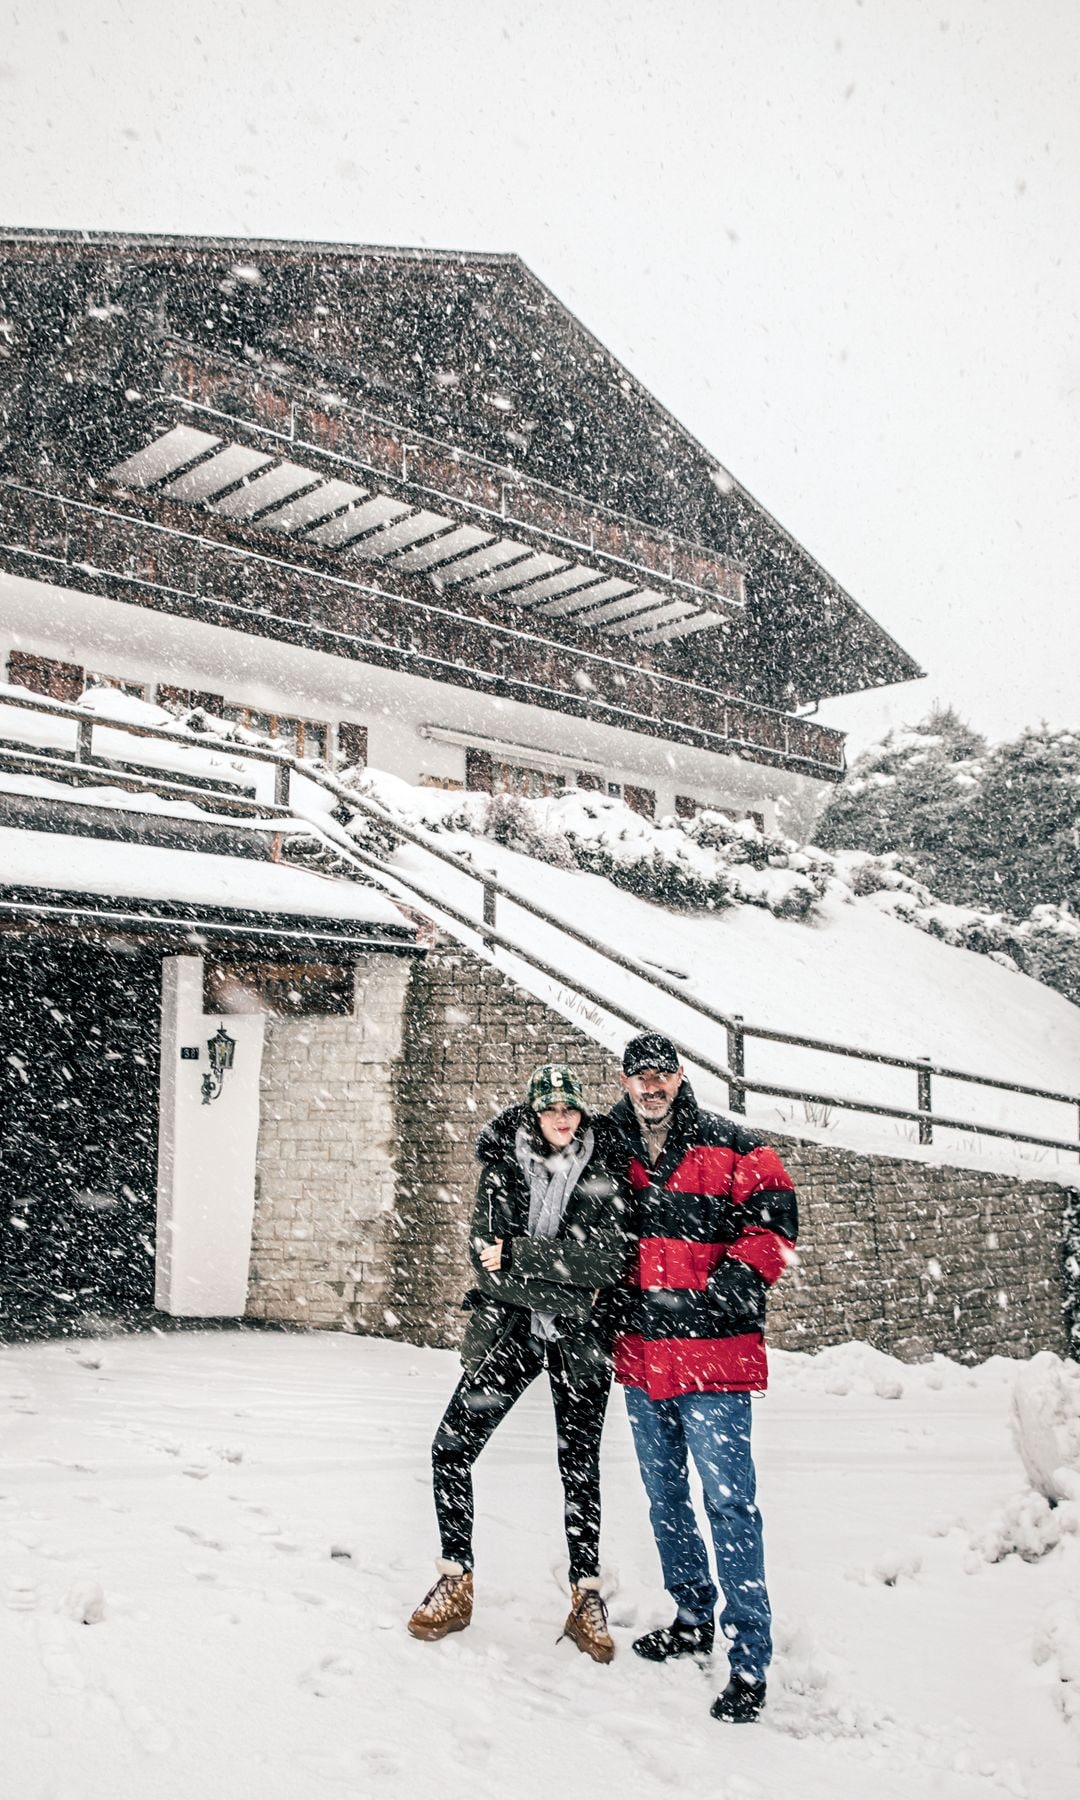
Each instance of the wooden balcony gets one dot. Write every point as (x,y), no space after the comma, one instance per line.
(414,466)
(130,555)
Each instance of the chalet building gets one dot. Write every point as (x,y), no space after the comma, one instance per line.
(385,506)
(399,506)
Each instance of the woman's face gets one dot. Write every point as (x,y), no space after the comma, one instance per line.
(558,1125)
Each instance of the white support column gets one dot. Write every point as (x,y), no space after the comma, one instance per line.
(206,1154)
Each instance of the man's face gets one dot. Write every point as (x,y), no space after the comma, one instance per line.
(652,1093)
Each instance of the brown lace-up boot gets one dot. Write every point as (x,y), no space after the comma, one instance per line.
(447,1606)
(587,1625)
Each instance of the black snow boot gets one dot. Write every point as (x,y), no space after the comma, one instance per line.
(741,1701)
(678,1639)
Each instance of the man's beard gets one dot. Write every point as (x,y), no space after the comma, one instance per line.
(650,1120)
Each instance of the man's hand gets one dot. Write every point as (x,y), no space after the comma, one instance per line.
(491,1256)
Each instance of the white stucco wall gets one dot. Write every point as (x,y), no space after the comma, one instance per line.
(139,644)
(206,1154)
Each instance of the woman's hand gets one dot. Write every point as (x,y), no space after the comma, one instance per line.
(491,1256)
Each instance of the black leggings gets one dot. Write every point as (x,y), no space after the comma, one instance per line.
(478,1404)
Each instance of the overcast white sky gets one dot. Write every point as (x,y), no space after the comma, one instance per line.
(839,238)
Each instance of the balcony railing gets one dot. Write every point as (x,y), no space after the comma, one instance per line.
(94,548)
(414,461)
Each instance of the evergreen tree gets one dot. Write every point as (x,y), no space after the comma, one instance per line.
(908,793)
(997,830)
(1016,844)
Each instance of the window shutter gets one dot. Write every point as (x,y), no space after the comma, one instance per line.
(181,700)
(640,800)
(352,744)
(44,675)
(479,774)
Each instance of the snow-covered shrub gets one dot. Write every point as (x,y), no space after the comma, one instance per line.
(606,837)
(794,899)
(1045,1423)
(890,873)
(508,819)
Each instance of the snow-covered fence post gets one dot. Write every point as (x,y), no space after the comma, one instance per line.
(736,1055)
(1070,1269)
(489,910)
(926,1126)
(281,784)
(84,741)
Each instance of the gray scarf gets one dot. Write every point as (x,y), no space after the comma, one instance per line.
(552,1178)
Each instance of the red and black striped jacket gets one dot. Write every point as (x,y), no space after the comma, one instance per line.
(717,1223)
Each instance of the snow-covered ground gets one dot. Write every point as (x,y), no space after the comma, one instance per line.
(210,1542)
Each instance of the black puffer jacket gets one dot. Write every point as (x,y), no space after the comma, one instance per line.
(572,1275)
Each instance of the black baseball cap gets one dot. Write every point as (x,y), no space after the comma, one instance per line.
(651,1051)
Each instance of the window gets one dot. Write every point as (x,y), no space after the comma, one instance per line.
(487,774)
(306,737)
(138,690)
(640,800)
(44,675)
(291,990)
(352,744)
(531,784)
(183,700)
(478,771)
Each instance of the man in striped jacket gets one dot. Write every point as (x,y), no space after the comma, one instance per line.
(717,1221)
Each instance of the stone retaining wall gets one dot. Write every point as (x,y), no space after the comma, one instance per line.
(367,1174)
(915,1258)
(910,1256)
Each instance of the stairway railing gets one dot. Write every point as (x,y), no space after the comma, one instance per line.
(480,932)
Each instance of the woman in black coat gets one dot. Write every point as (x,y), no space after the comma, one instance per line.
(549,1243)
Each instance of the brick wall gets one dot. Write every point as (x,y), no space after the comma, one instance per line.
(326,1158)
(367,1174)
(917,1258)
(912,1257)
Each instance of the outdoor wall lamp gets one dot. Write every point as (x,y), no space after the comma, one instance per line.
(222,1049)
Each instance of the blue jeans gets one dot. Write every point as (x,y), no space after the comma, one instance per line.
(715,1429)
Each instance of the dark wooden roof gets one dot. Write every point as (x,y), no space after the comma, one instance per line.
(469,350)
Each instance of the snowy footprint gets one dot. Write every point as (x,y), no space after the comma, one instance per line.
(200,1538)
(143,1723)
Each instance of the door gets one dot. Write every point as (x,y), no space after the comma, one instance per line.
(79,1057)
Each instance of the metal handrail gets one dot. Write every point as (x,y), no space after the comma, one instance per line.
(732,1072)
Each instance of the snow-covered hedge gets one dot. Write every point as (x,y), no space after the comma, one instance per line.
(710,861)
(714,862)
(1046,945)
